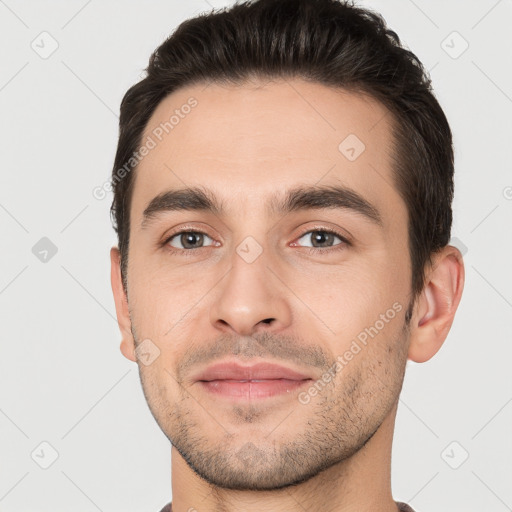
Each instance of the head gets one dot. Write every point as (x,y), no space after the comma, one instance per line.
(282,192)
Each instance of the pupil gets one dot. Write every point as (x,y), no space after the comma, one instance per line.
(322,236)
(189,237)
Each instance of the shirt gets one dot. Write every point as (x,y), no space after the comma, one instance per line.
(402,506)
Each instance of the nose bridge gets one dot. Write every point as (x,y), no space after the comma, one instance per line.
(250,296)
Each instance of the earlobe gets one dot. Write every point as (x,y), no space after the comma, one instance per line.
(127,349)
(121,302)
(436,306)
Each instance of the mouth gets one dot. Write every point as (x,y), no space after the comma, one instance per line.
(263,380)
(251,389)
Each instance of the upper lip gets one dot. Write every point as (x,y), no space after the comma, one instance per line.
(259,371)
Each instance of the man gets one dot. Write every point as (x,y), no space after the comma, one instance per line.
(282,198)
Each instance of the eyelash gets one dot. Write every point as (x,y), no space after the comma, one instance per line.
(311,250)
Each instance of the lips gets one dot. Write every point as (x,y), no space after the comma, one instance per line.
(233,381)
(258,372)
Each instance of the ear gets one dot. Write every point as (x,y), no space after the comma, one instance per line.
(121,301)
(436,305)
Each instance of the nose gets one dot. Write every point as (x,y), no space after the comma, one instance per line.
(250,299)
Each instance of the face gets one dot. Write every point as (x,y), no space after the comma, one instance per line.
(268,308)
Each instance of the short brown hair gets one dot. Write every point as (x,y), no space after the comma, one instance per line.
(331,42)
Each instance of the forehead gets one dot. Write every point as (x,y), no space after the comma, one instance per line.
(248,141)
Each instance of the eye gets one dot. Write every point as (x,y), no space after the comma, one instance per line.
(187,240)
(324,239)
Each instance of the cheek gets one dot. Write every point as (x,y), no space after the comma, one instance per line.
(347,299)
(162,302)
(160,389)
(363,317)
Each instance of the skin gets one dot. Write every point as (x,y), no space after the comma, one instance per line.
(245,143)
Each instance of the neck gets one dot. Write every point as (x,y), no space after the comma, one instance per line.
(361,483)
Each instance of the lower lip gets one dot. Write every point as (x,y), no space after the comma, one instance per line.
(252,389)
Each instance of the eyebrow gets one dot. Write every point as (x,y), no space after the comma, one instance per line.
(296,199)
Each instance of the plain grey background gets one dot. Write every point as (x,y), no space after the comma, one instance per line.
(75,430)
